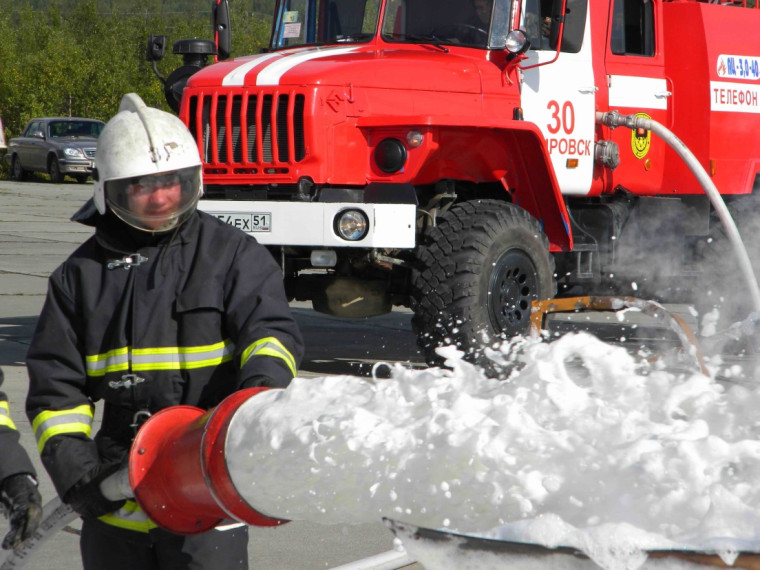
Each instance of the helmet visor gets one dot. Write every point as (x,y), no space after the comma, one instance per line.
(155,202)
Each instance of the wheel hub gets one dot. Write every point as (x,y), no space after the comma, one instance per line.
(513,285)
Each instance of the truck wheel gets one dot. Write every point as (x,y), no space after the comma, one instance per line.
(54,170)
(17,169)
(477,272)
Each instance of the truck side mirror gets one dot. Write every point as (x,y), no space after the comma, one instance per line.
(156,48)
(222,29)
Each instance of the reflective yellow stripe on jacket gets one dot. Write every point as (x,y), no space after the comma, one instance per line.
(269,346)
(50,423)
(130,517)
(5,416)
(162,358)
(183,357)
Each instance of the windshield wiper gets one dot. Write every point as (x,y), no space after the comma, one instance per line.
(352,38)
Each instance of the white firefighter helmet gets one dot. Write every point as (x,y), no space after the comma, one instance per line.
(148,170)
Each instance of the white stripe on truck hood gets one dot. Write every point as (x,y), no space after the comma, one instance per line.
(273,72)
(236,77)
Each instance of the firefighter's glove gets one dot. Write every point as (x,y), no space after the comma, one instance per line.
(85,496)
(23,506)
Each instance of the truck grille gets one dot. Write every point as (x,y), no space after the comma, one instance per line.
(249,129)
(89,152)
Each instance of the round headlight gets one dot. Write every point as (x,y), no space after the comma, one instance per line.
(517,42)
(390,155)
(351,225)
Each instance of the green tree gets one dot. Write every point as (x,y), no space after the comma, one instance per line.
(79,57)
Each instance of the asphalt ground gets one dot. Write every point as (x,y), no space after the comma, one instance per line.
(36,236)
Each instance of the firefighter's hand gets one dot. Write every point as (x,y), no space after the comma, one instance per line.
(546,27)
(87,499)
(23,505)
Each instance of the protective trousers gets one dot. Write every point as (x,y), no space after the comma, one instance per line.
(212,550)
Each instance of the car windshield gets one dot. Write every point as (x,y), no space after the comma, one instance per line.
(472,23)
(58,129)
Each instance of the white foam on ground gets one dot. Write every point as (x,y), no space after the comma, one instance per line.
(585,446)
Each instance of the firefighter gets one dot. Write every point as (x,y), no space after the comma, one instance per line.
(18,484)
(163,305)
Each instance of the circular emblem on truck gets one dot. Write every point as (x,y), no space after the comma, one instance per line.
(641,139)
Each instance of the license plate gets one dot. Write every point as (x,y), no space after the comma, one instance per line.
(251,222)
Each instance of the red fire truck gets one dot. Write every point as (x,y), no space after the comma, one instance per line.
(446,155)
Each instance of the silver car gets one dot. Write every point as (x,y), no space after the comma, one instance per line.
(57,146)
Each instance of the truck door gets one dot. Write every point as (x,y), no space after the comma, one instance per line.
(635,69)
(560,96)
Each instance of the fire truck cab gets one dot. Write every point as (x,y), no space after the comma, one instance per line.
(446,155)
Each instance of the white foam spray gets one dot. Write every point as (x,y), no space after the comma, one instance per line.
(584,446)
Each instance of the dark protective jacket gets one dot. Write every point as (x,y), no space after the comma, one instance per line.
(145,322)
(13,457)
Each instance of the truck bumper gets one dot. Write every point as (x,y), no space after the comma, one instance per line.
(312,224)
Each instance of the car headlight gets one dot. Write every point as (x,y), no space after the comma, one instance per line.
(73,152)
(351,225)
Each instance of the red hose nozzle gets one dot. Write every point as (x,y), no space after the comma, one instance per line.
(178,469)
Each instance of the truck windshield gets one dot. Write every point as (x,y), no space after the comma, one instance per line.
(321,22)
(473,23)
(452,22)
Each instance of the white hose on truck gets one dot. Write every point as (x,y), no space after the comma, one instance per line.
(614,119)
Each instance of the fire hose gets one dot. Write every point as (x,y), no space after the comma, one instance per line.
(56,515)
(614,119)
(178,440)
(178,474)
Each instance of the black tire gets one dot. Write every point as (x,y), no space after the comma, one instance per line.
(81,178)
(54,170)
(17,171)
(477,272)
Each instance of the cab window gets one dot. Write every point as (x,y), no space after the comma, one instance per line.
(542,19)
(538,23)
(633,28)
